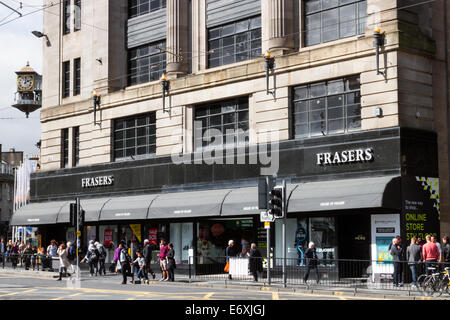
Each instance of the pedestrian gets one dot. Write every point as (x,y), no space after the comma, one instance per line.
(140,264)
(413,256)
(124,261)
(102,257)
(430,254)
(312,261)
(147,253)
(397,254)
(445,251)
(230,251)
(21,249)
(171,264)
(438,245)
(41,258)
(245,246)
(255,261)
(3,251)
(92,257)
(33,257)
(27,253)
(8,250)
(52,251)
(163,261)
(116,260)
(14,253)
(64,262)
(244,253)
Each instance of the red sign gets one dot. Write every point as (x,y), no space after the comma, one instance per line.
(153,235)
(217,229)
(108,237)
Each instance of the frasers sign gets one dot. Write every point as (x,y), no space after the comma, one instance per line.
(97,182)
(343,157)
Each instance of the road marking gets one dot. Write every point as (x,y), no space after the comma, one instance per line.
(275,296)
(209,295)
(18,292)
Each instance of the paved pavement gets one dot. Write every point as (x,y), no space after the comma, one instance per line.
(42,285)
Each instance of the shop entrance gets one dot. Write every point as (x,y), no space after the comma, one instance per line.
(354,245)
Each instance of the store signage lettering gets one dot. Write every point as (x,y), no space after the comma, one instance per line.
(97,182)
(347,156)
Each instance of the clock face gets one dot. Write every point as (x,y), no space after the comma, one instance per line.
(25,82)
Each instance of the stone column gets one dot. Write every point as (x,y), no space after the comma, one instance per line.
(177,37)
(280,14)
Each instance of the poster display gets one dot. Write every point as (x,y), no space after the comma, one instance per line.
(153,236)
(384,228)
(108,237)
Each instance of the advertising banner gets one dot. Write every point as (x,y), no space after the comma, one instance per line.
(136,231)
(108,237)
(421,212)
(153,235)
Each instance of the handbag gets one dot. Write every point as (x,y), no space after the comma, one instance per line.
(227,267)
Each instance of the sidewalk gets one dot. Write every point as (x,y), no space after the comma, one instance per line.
(183,280)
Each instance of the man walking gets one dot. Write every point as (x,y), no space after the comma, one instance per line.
(430,254)
(255,261)
(147,253)
(445,251)
(124,260)
(413,256)
(102,257)
(311,262)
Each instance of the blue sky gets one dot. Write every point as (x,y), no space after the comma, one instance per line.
(18,46)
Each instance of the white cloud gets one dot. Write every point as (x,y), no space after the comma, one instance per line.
(18,46)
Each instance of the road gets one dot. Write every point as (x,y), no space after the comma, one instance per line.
(18,287)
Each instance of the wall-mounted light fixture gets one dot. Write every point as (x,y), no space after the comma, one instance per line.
(39,34)
(270,66)
(165,88)
(379,42)
(97,103)
(378,112)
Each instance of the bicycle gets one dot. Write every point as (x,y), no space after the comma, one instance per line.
(444,283)
(430,284)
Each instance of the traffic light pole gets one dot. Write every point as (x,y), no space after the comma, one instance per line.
(78,238)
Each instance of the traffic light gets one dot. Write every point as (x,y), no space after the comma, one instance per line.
(73,214)
(81,218)
(276,201)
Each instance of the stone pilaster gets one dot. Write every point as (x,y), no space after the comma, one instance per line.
(177,37)
(280,14)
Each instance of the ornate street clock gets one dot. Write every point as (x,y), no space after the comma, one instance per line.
(28,95)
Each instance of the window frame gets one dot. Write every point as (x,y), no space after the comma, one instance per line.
(236,45)
(77,16)
(75,146)
(241,106)
(66,17)
(65,148)
(357,22)
(77,76)
(150,137)
(139,7)
(133,72)
(345,106)
(66,79)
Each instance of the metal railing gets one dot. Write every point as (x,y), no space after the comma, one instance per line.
(334,273)
(35,261)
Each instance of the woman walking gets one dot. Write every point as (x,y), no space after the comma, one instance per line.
(255,261)
(92,258)
(64,262)
(171,264)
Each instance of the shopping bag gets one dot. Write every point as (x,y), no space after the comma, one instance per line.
(227,267)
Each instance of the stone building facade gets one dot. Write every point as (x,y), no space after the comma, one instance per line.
(325,95)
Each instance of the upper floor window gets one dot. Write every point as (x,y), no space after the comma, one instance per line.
(135,137)
(221,123)
(327,20)
(328,107)
(146,63)
(234,42)
(66,17)
(76,146)
(64,148)
(77,11)
(140,7)
(77,76)
(66,79)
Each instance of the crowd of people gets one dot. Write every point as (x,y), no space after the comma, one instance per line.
(124,258)
(420,257)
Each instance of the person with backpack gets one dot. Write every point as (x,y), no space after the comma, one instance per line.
(102,257)
(92,257)
(124,261)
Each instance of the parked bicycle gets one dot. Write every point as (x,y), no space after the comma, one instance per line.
(435,283)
